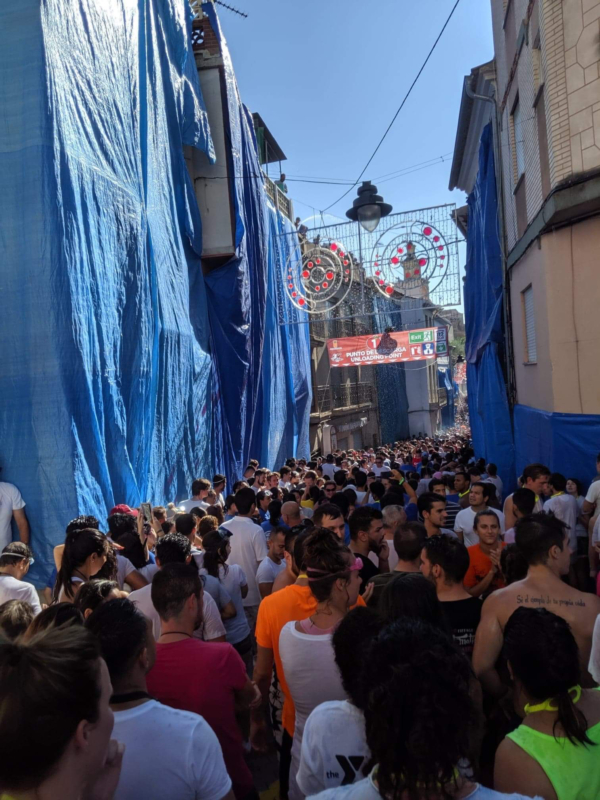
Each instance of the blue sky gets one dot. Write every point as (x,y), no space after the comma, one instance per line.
(328,76)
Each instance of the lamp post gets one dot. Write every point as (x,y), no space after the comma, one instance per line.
(368,208)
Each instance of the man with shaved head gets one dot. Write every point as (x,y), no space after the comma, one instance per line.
(290,514)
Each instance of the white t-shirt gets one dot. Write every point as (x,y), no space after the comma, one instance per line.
(594,665)
(248,549)
(187,505)
(334,747)
(124,568)
(378,470)
(149,571)
(212,627)
(168,753)
(215,589)
(565,508)
(329,470)
(236,628)
(497,482)
(464,522)
(269,570)
(312,677)
(14,589)
(10,500)
(593,496)
(366,790)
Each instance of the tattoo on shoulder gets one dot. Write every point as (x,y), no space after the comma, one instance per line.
(546,600)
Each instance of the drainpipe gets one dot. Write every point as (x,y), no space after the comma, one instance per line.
(506,306)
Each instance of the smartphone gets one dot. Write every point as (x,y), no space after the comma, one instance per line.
(146,512)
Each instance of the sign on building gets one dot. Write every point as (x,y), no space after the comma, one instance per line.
(388,348)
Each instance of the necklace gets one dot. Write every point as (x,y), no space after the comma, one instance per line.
(547,704)
(172,633)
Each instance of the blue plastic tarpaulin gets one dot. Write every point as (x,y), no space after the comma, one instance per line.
(488,403)
(566,443)
(117,384)
(262,363)
(391,379)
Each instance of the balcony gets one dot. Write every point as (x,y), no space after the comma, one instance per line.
(336,398)
(279,199)
(442,398)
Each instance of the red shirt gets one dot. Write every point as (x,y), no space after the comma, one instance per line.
(479,566)
(202,677)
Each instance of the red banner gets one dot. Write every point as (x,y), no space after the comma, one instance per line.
(388,348)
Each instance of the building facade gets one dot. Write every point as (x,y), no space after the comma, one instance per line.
(541,95)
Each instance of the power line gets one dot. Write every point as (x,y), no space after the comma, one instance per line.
(401,106)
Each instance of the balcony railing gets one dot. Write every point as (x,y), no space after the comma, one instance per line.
(279,199)
(334,398)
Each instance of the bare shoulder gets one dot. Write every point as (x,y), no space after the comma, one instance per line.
(502,603)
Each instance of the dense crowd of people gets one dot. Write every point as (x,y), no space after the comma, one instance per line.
(387,621)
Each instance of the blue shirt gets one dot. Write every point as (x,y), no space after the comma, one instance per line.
(267,527)
(412,512)
(346,533)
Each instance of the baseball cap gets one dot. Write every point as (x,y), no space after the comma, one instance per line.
(123,509)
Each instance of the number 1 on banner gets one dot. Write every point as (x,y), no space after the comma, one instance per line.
(374,343)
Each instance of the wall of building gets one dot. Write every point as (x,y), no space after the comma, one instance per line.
(572,259)
(562,272)
(548,60)
(533,381)
(572,54)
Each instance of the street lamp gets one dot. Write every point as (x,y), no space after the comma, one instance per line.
(368,208)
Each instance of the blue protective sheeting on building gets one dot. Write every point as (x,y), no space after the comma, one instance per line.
(113,389)
(266,408)
(391,379)
(488,404)
(566,443)
(445,382)
(103,375)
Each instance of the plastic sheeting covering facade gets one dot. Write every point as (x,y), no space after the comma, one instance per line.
(488,403)
(445,382)
(391,380)
(566,443)
(262,367)
(113,390)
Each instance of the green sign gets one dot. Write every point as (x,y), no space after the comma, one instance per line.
(441,347)
(420,336)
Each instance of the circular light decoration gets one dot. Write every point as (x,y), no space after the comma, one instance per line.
(321,279)
(411,258)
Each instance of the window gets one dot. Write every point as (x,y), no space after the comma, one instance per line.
(518,151)
(529,326)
